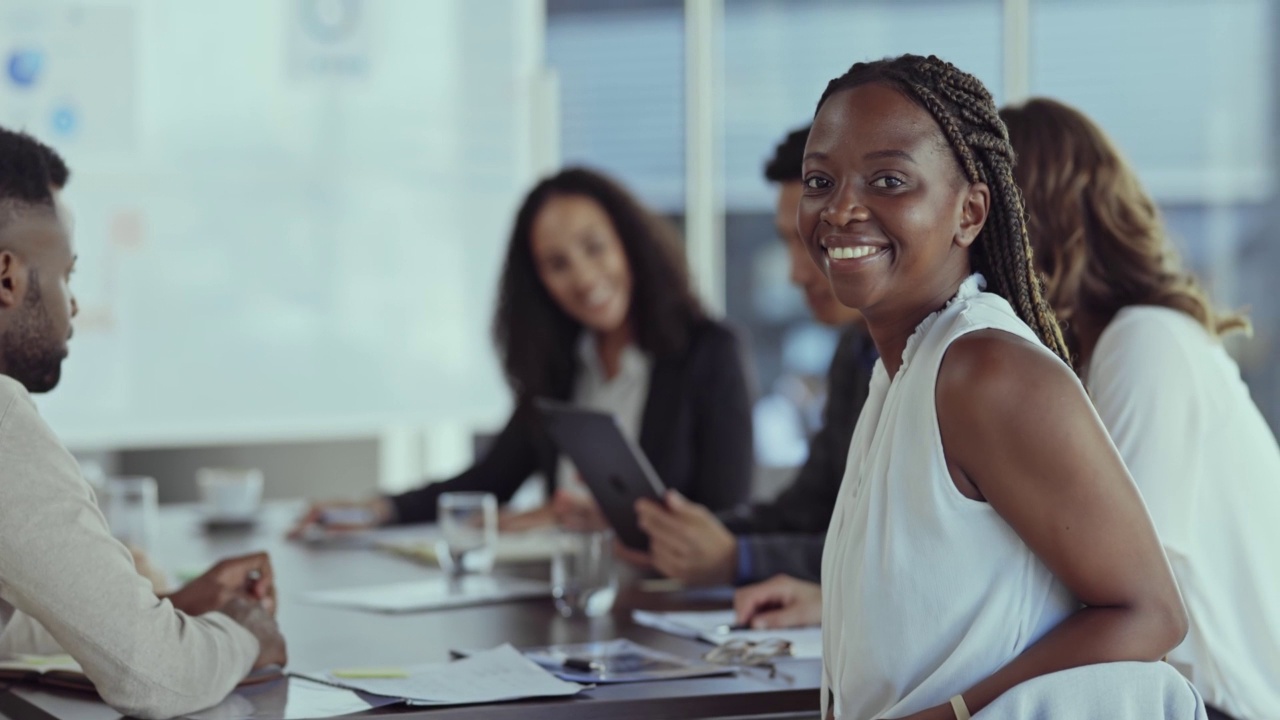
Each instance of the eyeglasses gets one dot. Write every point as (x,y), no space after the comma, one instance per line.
(750,653)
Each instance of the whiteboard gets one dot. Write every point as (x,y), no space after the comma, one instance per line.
(290,216)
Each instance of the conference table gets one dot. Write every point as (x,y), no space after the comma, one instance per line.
(321,637)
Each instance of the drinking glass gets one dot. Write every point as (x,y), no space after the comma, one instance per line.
(584,579)
(468,532)
(133,510)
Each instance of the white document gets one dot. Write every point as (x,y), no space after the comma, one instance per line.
(686,624)
(484,677)
(302,698)
(714,626)
(512,548)
(434,594)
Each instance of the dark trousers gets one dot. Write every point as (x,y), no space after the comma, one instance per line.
(1216,714)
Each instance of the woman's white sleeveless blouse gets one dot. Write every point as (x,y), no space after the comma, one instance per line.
(924,591)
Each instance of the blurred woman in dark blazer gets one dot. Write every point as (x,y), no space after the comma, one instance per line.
(595,308)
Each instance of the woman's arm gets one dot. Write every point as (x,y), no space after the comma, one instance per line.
(1019,431)
(505,466)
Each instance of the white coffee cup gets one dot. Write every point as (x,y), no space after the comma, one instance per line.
(229,494)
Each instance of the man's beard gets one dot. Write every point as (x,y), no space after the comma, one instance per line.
(32,354)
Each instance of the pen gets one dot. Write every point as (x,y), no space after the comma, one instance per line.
(736,627)
(251,581)
(586,665)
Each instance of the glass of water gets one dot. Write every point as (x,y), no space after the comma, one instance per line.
(132,508)
(584,579)
(468,532)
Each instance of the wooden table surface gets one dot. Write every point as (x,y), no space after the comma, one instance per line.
(325,637)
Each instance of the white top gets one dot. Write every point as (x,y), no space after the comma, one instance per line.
(1209,470)
(925,592)
(65,582)
(624,395)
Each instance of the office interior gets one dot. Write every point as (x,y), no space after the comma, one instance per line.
(290,215)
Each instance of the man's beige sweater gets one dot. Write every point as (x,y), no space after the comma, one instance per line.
(67,586)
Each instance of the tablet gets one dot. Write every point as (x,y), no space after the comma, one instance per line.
(612,466)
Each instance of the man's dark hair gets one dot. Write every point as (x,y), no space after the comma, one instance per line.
(537,340)
(787,163)
(59,174)
(25,175)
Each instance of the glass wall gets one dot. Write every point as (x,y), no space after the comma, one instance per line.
(1187,91)
(311,194)
(620,70)
(1185,87)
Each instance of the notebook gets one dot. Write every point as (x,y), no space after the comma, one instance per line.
(63,671)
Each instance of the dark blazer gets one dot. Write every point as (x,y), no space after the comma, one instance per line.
(786,535)
(695,430)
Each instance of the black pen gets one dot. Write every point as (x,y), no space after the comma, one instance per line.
(736,627)
(586,665)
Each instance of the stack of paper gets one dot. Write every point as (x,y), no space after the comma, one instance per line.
(715,626)
(302,698)
(489,676)
(434,594)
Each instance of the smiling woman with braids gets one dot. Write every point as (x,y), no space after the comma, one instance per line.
(988,551)
(1146,343)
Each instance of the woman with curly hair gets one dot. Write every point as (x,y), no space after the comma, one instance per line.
(595,307)
(1146,343)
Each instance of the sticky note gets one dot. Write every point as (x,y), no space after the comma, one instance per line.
(42,660)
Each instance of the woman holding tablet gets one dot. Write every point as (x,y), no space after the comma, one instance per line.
(1146,343)
(988,552)
(595,308)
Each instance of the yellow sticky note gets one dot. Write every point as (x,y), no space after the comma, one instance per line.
(43,660)
(369,673)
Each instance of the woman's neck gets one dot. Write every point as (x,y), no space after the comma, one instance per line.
(609,347)
(890,331)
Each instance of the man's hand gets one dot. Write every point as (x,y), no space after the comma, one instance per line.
(262,625)
(779,602)
(249,576)
(687,542)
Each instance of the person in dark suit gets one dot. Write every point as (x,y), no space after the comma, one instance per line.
(595,307)
(696,544)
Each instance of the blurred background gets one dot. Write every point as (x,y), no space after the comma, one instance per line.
(290,214)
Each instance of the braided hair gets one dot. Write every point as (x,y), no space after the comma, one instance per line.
(967,115)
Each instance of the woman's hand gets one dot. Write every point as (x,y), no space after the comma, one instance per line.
(779,602)
(343,516)
(937,712)
(540,517)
